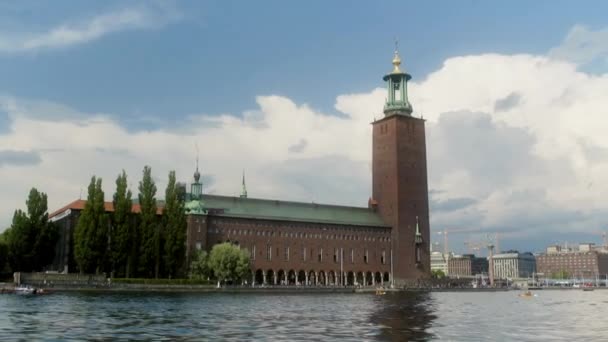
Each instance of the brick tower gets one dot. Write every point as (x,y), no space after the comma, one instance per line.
(400,189)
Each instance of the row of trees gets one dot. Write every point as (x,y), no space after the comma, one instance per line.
(226,262)
(29,244)
(129,244)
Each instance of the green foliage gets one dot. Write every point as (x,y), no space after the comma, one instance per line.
(199,267)
(175,228)
(437,274)
(561,275)
(152,281)
(229,262)
(124,235)
(148,227)
(91,236)
(32,238)
(4,251)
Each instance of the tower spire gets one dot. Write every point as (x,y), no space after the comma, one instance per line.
(196,188)
(397,102)
(244,187)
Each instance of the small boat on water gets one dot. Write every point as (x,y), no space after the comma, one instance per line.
(29,290)
(25,290)
(527,294)
(380,291)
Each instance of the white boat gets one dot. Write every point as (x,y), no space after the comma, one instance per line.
(25,290)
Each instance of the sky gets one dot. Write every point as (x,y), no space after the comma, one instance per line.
(514,94)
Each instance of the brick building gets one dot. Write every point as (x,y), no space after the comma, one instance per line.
(309,243)
(583,263)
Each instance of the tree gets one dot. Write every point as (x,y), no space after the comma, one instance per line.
(228,262)
(437,274)
(123,236)
(4,251)
(199,268)
(563,274)
(175,228)
(32,238)
(91,236)
(148,226)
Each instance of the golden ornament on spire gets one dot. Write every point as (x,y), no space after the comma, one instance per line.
(396,63)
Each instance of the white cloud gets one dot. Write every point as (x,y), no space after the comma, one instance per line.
(85,30)
(583,46)
(515,143)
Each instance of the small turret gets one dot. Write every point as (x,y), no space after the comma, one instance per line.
(244,187)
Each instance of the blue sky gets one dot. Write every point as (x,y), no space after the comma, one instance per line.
(286,91)
(216,56)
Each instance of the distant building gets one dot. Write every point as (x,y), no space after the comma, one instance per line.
(586,262)
(466,265)
(512,264)
(439,262)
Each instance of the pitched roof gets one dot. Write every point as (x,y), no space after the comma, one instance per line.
(267,209)
(108,206)
(292,211)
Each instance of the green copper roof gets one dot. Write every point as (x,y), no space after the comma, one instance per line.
(292,211)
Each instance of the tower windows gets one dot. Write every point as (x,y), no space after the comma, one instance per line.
(366,257)
(383,257)
(320,256)
(335,255)
(269,253)
(287,253)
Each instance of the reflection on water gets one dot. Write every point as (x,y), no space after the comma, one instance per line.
(501,316)
(404,316)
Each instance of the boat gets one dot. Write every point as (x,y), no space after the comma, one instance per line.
(527,294)
(587,287)
(25,290)
(380,291)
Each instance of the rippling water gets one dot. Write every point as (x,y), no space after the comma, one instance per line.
(500,316)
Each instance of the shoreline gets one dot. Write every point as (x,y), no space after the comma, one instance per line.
(146,288)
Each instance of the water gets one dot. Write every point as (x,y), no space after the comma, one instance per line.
(500,316)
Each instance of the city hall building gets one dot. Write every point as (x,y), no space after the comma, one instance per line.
(295,243)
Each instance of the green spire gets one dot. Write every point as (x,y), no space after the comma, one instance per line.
(397,102)
(196,188)
(418,237)
(244,187)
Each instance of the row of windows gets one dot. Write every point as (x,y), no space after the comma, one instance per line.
(299,235)
(309,254)
(262,224)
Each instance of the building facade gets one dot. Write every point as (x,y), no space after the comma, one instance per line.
(513,265)
(314,244)
(583,263)
(439,262)
(466,265)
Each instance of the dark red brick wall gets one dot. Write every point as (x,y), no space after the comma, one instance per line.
(260,235)
(400,188)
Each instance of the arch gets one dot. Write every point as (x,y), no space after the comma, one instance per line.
(350,278)
(281,278)
(386,277)
(312,278)
(258,278)
(369,279)
(270,277)
(331,278)
(322,278)
(301,277)
(291,277)
(378,278)
(359,279)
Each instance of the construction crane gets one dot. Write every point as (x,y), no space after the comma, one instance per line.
(448,231)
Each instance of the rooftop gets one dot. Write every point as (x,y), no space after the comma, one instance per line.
(267,209)
(292,211)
